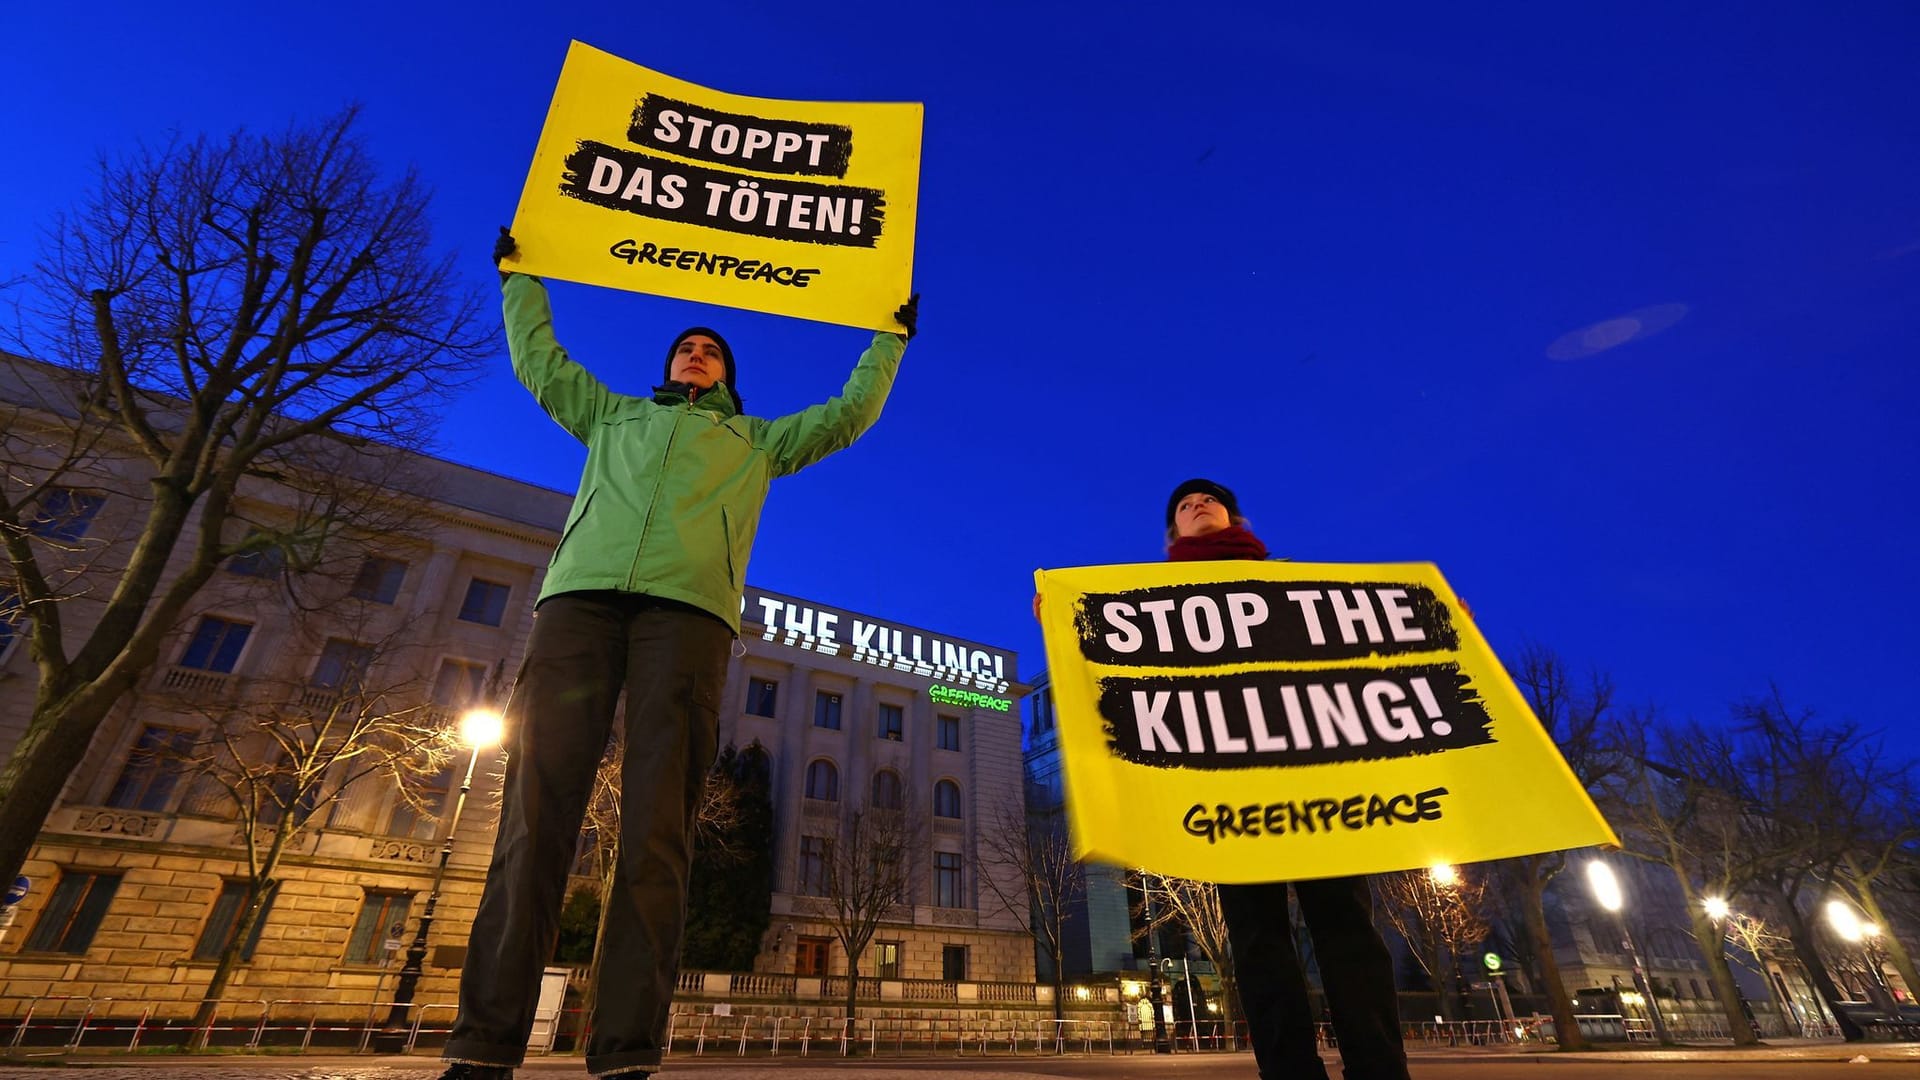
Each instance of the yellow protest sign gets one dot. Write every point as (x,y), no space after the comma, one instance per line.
(644,182)
(1244,721)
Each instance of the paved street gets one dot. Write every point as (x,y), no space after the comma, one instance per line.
(1806,1061)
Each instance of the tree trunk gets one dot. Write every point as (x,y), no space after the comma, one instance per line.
(592,993)
(1059,990)
(1896,949)
(1803,948)
(229,959)
(1720,973)
(853,998)
(1443,995)
(55,743)
(1566,1030)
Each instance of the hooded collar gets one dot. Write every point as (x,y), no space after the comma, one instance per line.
(717,400)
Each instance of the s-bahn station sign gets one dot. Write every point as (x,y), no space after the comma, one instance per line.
(971,673)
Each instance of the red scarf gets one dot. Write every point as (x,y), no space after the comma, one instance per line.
(1232,542)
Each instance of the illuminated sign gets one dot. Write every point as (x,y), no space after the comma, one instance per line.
(941,695)
(830,632)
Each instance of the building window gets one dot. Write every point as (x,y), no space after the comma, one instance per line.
(823,781)
(460,684)
(826,710)
(949,733)
(342,664)
(815,853)
(379,580)
(1043,784)
(893,723)
(415,814)
(762,696)
(886,959)
(946,799)
(953,963)
(1042,712)
(216,644)
(65,514)
(224,919)
(152,771)
(73,913)
(946,879)
(810,956)
(486,602)
(887,790)
(382,915)
(261,562)
(283,793)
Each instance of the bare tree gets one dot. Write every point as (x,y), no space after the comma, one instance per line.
(863,877)
(1680,814)
(1441,914)
(1194,908)
(1888,849)
(1807,787)
(1040,880)
(1575,718)
(281,757)
(714,820)
(214,311)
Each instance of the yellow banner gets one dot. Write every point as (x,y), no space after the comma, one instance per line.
(644,182)
(1243,721)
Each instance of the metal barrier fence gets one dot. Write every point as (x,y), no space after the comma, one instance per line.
(694,1032)
(77,1022)
(243,1024)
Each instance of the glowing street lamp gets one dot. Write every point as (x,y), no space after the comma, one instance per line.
(479,729)
(1720,911)
(1606,890)
(1846,923)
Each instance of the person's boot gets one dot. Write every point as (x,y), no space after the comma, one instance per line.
(467,1070)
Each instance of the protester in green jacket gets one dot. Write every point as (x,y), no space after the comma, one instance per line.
(642,595)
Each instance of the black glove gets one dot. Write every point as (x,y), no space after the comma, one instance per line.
(504,246)
(909,316)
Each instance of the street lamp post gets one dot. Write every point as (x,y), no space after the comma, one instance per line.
(1606,889)
(1719,912)
(479,729)
(1866,935)
(1161,1044)
(1442,878)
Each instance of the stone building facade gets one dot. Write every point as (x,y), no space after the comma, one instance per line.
(856,710)
(135,875)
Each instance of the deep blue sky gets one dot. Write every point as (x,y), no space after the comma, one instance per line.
(1323,258)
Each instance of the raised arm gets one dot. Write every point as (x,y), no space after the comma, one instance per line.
(799,439)
(569,393)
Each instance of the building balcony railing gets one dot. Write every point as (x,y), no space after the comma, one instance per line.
(318,697)
(199,683)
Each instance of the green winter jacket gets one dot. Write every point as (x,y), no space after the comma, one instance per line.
(670,497)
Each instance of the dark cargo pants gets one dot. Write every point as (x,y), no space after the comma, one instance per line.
(1356,971)
(672,661)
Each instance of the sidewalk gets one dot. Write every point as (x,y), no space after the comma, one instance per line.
(982,1067)
(1774,1050)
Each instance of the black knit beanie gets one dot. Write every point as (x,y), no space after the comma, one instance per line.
(1207,487)
(726,356)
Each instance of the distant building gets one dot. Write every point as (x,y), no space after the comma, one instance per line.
(857,710)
